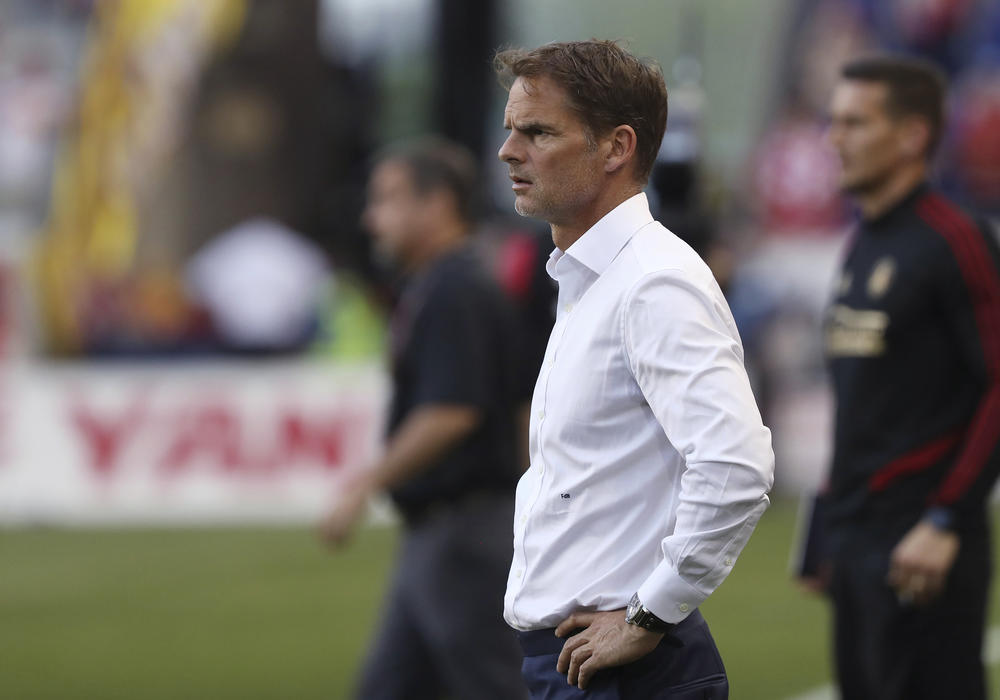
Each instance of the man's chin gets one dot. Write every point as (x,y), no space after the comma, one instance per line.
(385,257)
(526,207)
(852,187)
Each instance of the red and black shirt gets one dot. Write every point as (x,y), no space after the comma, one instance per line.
(913,344)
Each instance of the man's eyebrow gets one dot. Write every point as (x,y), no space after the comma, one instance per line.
(531,126)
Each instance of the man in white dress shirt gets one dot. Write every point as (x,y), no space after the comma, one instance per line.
(650,465)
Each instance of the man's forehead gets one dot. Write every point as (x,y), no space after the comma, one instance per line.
(860,92)
(537,97)
(389,173)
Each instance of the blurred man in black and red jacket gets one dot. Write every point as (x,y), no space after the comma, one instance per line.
(913,342)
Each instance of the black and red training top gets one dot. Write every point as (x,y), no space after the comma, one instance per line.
(913,344)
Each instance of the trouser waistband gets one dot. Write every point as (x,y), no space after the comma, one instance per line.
(540,642)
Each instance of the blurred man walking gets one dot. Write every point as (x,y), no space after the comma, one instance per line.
(913,340)
(649,463)
(450,463)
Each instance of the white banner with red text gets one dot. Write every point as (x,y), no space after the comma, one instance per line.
(183,443)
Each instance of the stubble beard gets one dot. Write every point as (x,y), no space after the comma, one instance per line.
(384,256)
(545,207)
(860,186)
(555,206)
(870,180)
(527,208)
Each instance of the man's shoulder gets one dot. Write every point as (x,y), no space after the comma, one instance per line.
(655,249)
(464,288)
(462,270)
(945,230)
(939,217)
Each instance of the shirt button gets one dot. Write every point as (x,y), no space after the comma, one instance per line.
(541,415)
(568,307)
(728,561)
(519,573)
(683,607)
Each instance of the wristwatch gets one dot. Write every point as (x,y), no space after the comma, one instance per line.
(941,518)
(637,614)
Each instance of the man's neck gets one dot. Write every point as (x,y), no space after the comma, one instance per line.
(439,243)
(891,192)
(565,235)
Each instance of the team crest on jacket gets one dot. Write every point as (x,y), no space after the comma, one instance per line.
(881,277)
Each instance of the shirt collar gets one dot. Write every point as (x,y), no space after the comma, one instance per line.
(602,242)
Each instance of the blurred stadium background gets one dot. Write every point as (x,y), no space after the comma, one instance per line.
(191,327)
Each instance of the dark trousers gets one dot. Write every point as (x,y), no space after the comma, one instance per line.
(442,632)
(687,667)
(887,650)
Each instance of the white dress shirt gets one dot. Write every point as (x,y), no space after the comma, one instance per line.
(650,465)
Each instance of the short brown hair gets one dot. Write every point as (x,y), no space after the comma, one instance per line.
(435,163)
(914,87)
(607,87)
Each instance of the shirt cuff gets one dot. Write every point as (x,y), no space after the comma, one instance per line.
(667,596)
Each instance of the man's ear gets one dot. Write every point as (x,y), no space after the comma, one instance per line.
(621,151)
(915,136)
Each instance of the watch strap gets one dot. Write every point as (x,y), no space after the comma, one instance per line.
(941,518)
(639,615)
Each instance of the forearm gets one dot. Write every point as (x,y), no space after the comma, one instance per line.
(963,492)
(701,552)
(428,433)
(723,495)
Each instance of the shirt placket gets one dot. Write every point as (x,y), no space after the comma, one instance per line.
(569,294)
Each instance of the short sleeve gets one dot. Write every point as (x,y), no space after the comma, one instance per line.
(451,347)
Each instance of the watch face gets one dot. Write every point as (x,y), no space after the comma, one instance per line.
(633,609)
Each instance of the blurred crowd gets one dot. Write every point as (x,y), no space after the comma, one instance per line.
(181,178)
(790,234)
(158,157)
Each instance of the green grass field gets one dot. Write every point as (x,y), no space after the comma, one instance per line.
(268,613)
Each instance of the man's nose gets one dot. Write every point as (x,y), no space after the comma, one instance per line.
(508,151)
